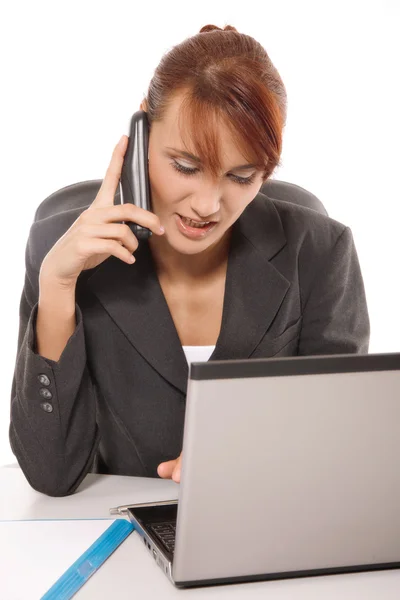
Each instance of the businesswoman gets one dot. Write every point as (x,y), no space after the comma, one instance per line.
(107,324)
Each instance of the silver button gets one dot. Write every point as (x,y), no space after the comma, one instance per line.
(45,393)
(47,407)
(44,380)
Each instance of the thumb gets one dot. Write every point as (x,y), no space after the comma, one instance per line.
(166,469)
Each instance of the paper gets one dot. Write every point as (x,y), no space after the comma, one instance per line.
(34,554)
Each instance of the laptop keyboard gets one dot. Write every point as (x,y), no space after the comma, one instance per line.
(165,532)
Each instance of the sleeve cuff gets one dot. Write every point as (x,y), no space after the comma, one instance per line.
(32,342)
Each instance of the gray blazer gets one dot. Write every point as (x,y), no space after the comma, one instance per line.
(115,400)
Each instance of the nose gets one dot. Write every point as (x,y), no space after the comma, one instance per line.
(206,202)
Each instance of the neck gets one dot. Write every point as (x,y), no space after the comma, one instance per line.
(177,267)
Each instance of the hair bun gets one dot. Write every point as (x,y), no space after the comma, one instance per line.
(207,28)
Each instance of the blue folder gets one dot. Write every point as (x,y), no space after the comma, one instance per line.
(78,573)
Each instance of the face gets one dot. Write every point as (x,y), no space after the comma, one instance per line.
(185,196)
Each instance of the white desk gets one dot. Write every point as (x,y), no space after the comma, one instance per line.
(131,573)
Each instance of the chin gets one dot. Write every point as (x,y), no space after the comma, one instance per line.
(190,247)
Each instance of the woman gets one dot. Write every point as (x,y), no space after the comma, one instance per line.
(101,372)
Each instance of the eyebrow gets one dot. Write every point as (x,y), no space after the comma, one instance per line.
(198,160)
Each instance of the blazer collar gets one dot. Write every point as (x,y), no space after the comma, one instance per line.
(254,291)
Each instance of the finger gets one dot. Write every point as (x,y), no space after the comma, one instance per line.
(126,212)
(91,246)
(116,231)
(176,473)
(166,469)
(106,193)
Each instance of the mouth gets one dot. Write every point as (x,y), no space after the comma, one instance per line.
(194,222)
(192,228)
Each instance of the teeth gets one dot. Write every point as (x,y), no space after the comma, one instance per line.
(194,223)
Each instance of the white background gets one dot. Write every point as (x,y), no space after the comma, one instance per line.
(73,73)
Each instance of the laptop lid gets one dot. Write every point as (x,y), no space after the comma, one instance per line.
(289,465)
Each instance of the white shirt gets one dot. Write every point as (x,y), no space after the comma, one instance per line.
(197,353)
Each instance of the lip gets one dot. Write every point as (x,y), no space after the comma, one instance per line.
(194,233)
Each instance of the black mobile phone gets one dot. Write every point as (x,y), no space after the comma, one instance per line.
(134,185)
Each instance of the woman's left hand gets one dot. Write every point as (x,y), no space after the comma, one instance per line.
(171,469)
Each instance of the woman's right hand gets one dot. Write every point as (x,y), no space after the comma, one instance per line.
(95,235)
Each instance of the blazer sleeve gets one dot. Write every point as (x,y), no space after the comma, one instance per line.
(335,313)
(53,431)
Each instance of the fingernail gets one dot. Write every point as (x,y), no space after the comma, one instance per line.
(162,229)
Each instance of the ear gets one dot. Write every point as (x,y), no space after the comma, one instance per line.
(143,105)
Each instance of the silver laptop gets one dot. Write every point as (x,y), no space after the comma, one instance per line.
(290,468)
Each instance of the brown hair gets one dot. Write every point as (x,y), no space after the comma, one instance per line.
(226,75)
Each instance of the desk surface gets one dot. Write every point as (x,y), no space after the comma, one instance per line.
(131,572)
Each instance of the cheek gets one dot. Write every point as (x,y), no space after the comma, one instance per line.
(239,204)
(163,184)
(168,188)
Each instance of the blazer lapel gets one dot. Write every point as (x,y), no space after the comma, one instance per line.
(254,288)
(254,291)
(133,297)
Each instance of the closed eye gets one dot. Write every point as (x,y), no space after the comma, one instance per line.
(187,171)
